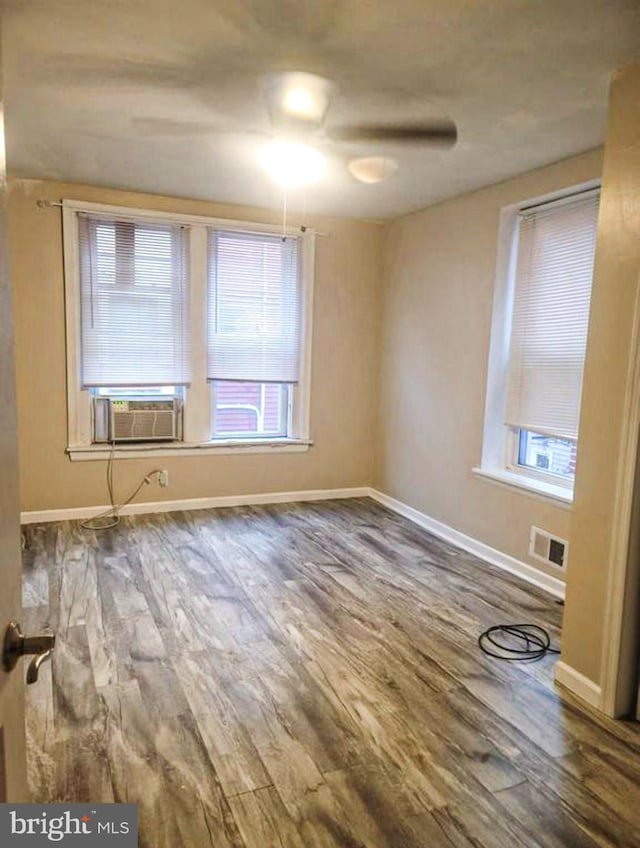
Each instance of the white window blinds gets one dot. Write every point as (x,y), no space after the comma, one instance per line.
(254,307)
(133,303)
(550,316)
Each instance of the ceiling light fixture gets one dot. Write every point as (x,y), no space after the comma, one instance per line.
(292,164)
(372,169)
(295,97)
(299,101)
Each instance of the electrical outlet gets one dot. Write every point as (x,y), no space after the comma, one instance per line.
(163,478)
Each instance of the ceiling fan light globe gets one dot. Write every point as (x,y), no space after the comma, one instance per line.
(297,95)
(299,101)
(372,169)
(292,164)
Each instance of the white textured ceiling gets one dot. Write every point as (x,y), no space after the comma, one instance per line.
(88,85)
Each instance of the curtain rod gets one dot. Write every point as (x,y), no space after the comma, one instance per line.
(43,203)
(571,196)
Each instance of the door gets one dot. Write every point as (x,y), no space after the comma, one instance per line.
(13,777)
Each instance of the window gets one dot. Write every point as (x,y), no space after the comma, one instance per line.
(133,303)
(259,410)
(539,335)
(253,336)
(214,312)
(548,454)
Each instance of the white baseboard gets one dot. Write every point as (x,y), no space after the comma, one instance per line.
(73,513)
(473,546)
(579,685)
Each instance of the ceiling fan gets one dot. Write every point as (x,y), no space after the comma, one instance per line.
(297,103)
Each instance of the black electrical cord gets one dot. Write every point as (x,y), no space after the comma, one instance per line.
(516,642)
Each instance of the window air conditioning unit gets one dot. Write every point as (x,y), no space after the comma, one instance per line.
(136,419)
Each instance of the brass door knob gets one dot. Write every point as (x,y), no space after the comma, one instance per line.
(17,645)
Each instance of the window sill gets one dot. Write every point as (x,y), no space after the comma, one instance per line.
(558,495)
(84,453)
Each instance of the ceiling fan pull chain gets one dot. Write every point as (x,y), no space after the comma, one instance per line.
(284,215)
(303,225)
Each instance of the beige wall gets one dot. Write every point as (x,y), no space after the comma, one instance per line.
(600,473)
(439,280)
(344,383)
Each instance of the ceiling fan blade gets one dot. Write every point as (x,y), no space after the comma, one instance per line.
(434,134)
(292,21)
(84,71)
(166,127)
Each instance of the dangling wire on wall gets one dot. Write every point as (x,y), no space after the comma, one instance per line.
(110,518)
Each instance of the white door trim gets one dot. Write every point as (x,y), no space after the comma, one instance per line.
(616,676)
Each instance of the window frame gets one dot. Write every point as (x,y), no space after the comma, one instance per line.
(500,443)
(196,410)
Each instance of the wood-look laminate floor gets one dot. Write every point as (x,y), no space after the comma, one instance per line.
(307,676)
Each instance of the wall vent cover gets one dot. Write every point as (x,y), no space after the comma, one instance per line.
(547,548)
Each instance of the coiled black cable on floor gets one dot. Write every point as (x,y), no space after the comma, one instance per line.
(516,642)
